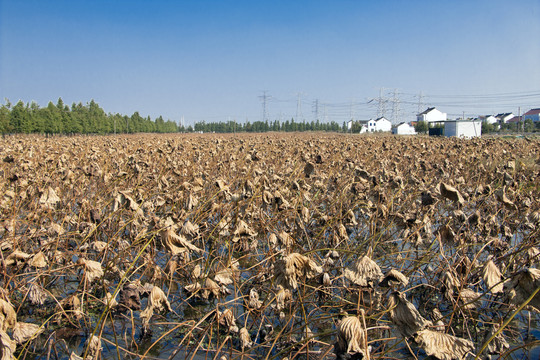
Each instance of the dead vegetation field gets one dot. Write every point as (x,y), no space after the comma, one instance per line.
(268,246)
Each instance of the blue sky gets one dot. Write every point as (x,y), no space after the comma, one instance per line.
(212,60)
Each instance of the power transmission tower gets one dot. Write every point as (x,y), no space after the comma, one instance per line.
(264,99)
(351,110)
(316,109)
(420,102)
(299,107)
(395,107)
(381,110)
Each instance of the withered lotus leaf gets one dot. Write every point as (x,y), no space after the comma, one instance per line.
(443,346)
(405,316)
(245,339)
(7,346)
(492,277)
(8,317)
(23,332)
(351,335)
(451,193)
(158,300)
(291,268)
(364,272)
(92,269)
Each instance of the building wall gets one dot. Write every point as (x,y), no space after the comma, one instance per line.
(404,129)
(433,116)
(466,129)
(534,118)
(383,125)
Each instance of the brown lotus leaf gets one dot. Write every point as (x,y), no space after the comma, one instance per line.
(405,316)
(394,277)
(326,281)
(49,199)
(523,285)
(193,288)
(501,196)
(110,301)
(158,300)
(282,297)
(197,271)
(71,306)
(451,193)
(23,332)
(285,239)
(309,169)
(146,316)
(305,214)
(492,277)
(93,348)
(450,282)
(499,344)
(189,229)
(443,346)
(364,272)
(92,269)
(7,346)
(16,258)
(254,302)
(469,298)
(292,267)
(177,244)
(245,339)
(38,260)
(74,356)
(8,317)
(129,297)
(351,335)
(226,318)
(36,294)
(211,288)
(242,229)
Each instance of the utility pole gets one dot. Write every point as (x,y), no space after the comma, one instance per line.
(264,99)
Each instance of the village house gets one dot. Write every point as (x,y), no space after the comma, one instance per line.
(431,115)
(403,129)
(533,114)
(504,117)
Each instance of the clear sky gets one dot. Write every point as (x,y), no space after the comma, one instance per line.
(212,60)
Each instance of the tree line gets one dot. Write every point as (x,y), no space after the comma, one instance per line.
(60,118)
(265,126)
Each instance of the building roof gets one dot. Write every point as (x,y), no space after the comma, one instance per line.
(381,118)
(515,119)
(532,112)
(503,115)
(427,111)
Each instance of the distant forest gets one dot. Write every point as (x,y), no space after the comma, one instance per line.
(60,118)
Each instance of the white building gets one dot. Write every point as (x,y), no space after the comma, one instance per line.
(463,128)
(488,119)
(431,115)
(380,124)
(403,129)
(504,117)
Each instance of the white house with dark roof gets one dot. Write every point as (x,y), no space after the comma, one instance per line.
(431,115)
(533,114)
(403,129)
(504,117)
(488,119)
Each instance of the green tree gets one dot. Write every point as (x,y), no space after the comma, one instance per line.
(421,127)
